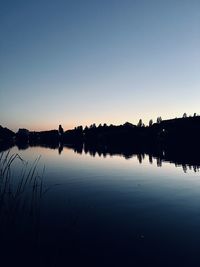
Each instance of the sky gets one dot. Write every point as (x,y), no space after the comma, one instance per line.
(78,62)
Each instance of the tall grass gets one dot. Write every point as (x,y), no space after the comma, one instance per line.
(21,193)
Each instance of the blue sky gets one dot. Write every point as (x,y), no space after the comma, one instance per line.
(78,62)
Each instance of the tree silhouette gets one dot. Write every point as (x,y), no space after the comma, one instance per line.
(140,124)
(60,130)
(184,115)
(79,128)
(93,126)
(159,119)
(151,122)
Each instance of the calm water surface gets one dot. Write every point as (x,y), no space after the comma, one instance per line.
(112,211)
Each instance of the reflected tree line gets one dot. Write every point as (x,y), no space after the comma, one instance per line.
(175,140)
(188,160)
(180,157)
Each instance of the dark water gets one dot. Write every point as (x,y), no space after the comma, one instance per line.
(110,211)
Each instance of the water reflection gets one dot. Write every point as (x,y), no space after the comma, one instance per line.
(188,159)
(111,212)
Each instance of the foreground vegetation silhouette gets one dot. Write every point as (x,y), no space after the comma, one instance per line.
(20,209)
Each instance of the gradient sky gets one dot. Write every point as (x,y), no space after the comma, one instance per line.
(83,61)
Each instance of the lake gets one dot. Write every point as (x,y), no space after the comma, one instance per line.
(110,210)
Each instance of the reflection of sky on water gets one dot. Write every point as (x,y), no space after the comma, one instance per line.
(114,173)
(116,203)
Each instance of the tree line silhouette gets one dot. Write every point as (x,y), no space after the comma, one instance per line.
(178,139)
(179,131)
